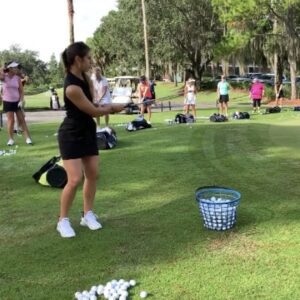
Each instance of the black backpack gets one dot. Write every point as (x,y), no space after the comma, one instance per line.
(271,110)
(240,115)
(218,118)
(297,108)
(137,124)
(52,173)
(106,138)
(184,118)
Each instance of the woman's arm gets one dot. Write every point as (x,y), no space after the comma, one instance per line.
(78,98)
(1,74)
(21,90)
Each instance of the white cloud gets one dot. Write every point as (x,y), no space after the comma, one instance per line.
(42,26)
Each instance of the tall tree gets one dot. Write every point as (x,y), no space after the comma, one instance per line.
(71,20)
(145,38)
(189,26)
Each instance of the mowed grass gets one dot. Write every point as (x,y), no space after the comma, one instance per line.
(152,230)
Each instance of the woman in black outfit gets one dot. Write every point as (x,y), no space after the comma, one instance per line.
(77,137)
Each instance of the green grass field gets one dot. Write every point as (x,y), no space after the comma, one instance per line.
(152,230)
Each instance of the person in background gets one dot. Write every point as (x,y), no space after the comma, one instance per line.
(190,92)
(101,93)
(223,96)
(13,97)
(279,93)
(24,80)
(145,97)
(152,88)
(77,138)
(257,91)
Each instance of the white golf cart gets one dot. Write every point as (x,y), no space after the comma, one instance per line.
(125,92)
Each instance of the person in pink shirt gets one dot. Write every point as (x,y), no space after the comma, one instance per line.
(13,98)
(257,91)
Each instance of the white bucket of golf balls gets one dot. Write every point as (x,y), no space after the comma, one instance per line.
(218,206)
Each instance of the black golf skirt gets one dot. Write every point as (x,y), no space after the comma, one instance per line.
(10,106)
(77,139)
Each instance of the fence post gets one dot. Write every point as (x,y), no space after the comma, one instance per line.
(170,107)
(161,107)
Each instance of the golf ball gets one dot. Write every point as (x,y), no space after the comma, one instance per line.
(132,282)
(143,294)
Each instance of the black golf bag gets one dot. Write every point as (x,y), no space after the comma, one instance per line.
(52,173)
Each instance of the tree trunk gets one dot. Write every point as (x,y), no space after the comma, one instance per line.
(225,67)
(293,70)
(71,21)
(242,68)
(145,40)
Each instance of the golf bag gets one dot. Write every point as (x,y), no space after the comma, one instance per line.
(106,138)
(240,115)
(184,118)
(271,110)
(137,124)
(218,118)
(297,108)
(52,173)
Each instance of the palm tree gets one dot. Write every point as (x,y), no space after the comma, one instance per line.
(145,39)
(71,20)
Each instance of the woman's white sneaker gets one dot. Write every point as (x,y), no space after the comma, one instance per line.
(65,229)
(91,221)
(28,141)
(10,142)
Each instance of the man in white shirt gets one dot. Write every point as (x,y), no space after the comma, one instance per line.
(101,93)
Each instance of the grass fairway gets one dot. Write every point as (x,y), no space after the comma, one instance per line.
(152,228)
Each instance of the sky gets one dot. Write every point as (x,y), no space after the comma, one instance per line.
(42,26)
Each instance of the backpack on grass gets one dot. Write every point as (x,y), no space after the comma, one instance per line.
(52,173)
(138,124)
(272,110)
(240,115)
(218,118)
(184,118)
(106,138)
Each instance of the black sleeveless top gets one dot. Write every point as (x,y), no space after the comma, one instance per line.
(77,133)
(71,110)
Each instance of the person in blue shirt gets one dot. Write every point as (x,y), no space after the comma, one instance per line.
(223,96)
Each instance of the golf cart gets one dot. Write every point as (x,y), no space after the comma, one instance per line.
(125,92)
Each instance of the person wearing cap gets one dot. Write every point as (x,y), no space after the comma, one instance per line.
(101,93)
(223,96)
(257,91)
(190,92)
(13,98)
(145,96)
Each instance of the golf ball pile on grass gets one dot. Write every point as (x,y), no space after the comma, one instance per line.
(113,290)
(217,213)
(7,153)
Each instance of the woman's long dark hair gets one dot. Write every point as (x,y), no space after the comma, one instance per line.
(76,49)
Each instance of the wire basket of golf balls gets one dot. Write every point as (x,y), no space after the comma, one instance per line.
(218,206)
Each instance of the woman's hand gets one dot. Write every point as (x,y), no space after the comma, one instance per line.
(117,107)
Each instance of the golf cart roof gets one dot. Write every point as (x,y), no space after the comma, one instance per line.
(127,77)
